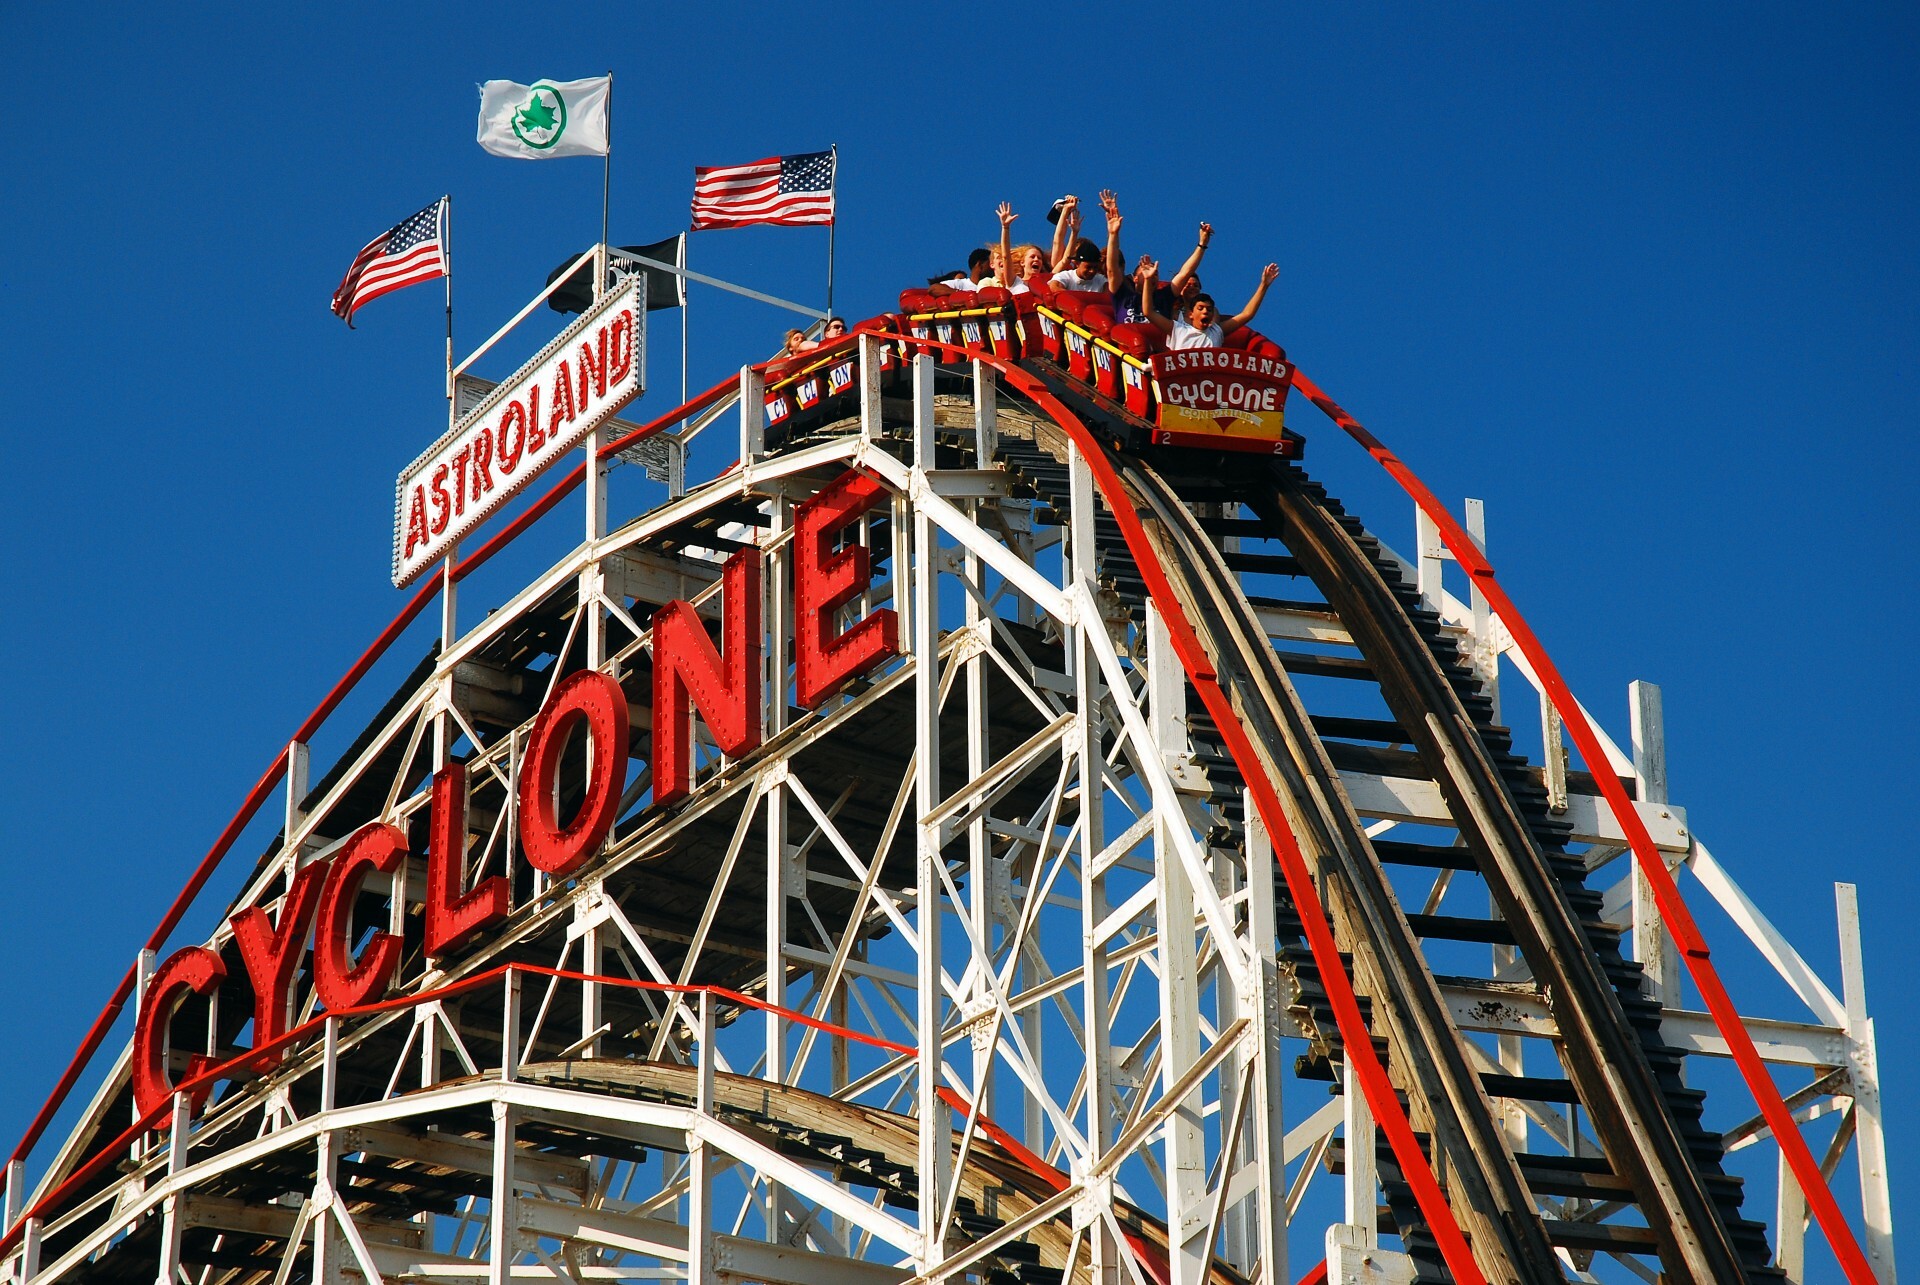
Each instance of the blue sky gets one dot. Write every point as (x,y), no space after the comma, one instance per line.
(1641,277)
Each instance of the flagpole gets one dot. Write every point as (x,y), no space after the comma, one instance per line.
(685,298)
(832,225)
(606,191)
(446,251)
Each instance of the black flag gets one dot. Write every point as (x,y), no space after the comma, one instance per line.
(663,288)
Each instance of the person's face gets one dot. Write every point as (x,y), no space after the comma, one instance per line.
(982,269)
(1086,264)
(1191,288)
(1201,315)
(834,330)
(1032,262)
(794,340)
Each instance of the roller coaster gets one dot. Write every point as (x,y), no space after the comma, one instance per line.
(975,836)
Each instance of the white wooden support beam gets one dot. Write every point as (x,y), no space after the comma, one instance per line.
(16,1198)
(986,433)
(1269,1131)
(935,1157)
(1790,1226)
(510,988)
(1652,943)
(700,1210)
(299,759)
(871,356)
(1362,1178)
(180,1120)
(597,470)
(1167,703)
(1429,556)
(1486,651)
(1089,633)
(27,1264)
(1185,1137)
(503,1219)
(753,415)
(1863,1067)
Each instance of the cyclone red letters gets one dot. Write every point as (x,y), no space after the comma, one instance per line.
(691,676)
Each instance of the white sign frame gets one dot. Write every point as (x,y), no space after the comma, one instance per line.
(421,494)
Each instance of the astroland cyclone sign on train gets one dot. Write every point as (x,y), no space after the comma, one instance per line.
(689,674)
(1223,393)
(575,384)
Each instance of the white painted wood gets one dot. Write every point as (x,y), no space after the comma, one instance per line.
(753,414)
(1652,943)
(1870,1142)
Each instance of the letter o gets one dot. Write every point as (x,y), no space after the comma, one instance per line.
(191,968)
(342,983)
(514,417)
(598,700)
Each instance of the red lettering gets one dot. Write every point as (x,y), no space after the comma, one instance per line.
(724,686)
(482,457)
(437,488)
(621,340)
(824,582)
(416,520)
(337,979)
(562,401)
(192,969)
(506,450)
(460,478)
(596,700)
(453,915)
(536,435)
(272,952)
(590,365)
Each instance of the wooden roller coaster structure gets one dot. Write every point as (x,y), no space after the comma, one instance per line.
(1168,853)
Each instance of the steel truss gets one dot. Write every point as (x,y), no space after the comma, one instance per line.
(969,973)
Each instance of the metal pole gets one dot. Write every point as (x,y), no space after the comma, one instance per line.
(685,301)
(606,191)
(446,254)
(833,225)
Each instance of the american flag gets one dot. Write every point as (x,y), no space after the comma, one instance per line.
(789,190)
(412,251)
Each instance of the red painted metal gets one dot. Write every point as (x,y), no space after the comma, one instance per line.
(825,581)
(454,914)
(596,700)
(688,674)
(1356,1040)
(272,951)
(276,772)
(340,982)
(192,969)
(1666,893)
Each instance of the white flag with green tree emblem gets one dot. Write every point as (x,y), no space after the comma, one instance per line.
(546,118)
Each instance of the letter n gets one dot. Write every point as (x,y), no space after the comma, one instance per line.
(452,915)
(688,674)
(824,582)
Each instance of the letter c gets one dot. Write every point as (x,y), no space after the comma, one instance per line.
(190,969)
(340,982)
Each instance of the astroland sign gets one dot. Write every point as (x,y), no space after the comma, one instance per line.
(573,386)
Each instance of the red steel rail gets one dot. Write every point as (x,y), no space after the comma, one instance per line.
(271,778)
(1666,893)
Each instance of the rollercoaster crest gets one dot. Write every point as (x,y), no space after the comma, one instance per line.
(1009,826)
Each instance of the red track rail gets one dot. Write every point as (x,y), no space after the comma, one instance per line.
(1666,893)
(271,778)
